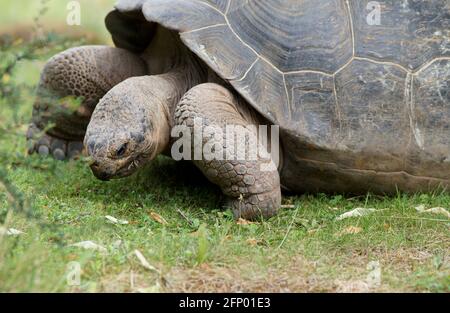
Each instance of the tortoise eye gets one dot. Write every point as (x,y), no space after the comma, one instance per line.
(121,151)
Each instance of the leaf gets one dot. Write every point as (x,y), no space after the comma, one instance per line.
(144,262)
(89,245)
(150,267)
(241,221)
(116,244)
(158,218)
(437,210)
(18,42)
(227,214)
(115,220)
(349,231)
(10,232)
(352,230)
(153,289)
(358,212)
(14,232)
(6,78)
(421,208)
(253,241)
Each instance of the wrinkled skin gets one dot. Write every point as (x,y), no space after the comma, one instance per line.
(138,134)
(132,103)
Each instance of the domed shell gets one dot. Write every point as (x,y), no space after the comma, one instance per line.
(351,77)
(277,52)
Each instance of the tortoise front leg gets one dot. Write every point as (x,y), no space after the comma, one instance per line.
(87,73)
(253,190)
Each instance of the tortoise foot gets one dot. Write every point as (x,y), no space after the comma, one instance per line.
(257,206)
(46,145)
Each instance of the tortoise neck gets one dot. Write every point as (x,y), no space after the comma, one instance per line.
(167,52)
(169,88)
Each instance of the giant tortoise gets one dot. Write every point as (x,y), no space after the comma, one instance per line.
(362,103)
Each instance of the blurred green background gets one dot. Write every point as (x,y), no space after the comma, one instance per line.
(17,17)
(25,20)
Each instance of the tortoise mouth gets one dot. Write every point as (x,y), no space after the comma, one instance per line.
(101,176)
(100,173)
(128,168)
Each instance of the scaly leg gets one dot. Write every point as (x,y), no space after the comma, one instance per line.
(87,73)
(252,185)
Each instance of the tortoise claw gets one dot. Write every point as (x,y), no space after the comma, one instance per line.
(46,145)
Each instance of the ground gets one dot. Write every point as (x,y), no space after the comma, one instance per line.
(180,238)
(200,247)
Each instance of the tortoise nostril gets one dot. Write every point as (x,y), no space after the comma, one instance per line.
(90,147)
(95,146)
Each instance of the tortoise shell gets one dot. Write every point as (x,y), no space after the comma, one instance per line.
(358,83)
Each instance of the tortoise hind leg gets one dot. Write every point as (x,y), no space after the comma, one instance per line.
(252,185)
(71,85)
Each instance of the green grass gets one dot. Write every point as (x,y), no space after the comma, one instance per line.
(302,249)
(200,248)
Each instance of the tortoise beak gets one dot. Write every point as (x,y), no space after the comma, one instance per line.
(98,173)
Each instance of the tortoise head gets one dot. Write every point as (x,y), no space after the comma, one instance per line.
(125,131)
